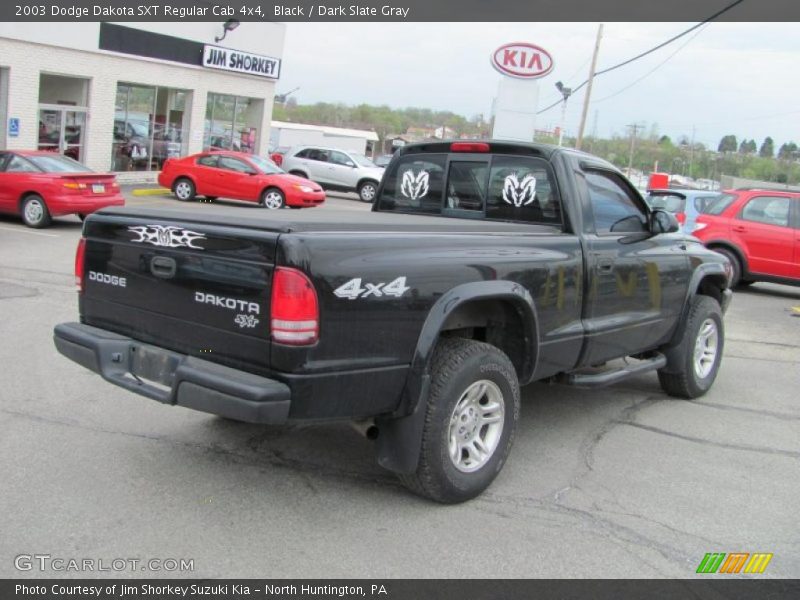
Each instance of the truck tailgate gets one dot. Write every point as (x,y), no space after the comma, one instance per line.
(195,288)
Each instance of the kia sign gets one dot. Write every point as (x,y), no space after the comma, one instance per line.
(523,60)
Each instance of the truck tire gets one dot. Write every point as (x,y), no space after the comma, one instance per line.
(471,414)
(184,189)
(693,363)
(34,212)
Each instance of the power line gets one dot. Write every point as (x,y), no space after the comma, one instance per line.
(650,51)
(651,71)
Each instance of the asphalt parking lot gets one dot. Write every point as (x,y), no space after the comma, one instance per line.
(621,482)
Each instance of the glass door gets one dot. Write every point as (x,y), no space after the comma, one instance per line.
(62,130)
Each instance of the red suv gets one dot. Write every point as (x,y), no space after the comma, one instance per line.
(759,232)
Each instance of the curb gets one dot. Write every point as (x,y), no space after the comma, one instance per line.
(149,191)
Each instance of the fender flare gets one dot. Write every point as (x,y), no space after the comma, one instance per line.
(399,442)
(711,270)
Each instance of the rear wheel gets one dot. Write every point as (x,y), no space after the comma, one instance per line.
(367,191)
(471,414)
(184,189)
(693,363)
(273,198)
(736,264)
(34,212)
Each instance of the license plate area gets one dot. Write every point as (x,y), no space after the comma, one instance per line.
(98,188)
(154,364)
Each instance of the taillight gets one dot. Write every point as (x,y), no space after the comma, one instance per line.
(74,185)
(80,253)
(469,147)
(294,308)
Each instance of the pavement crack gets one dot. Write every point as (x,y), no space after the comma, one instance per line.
(755,411)
(696,440)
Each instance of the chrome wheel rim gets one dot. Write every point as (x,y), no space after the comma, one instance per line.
(706,347)
(368,192)
(34,211)
(183,190)
(476,426)
(273,200)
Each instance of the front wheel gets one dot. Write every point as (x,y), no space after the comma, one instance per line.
(184,189)
(693,363)
(472,412)
(273,198)
(367,191)
(34,212)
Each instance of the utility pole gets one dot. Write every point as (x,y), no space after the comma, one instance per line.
(587,97)
(691,152)
(634,127)
(565,94)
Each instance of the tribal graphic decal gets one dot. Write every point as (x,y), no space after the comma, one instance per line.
(519,193)
(414,186)
(172,237)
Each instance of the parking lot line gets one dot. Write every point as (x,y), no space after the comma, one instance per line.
(30,232)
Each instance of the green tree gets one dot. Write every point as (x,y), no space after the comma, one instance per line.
(727,144)
(767,149)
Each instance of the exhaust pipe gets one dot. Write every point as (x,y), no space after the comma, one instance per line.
(367,428)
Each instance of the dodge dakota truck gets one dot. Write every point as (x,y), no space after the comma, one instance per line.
(483,267)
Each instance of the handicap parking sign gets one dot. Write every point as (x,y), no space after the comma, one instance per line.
(13,127)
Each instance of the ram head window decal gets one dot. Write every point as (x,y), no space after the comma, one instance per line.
(414,186)
(169,236)
(519,193)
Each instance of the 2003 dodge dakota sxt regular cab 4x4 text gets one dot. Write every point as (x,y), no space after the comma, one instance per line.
(482,267)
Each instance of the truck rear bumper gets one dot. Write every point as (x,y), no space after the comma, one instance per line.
(174,378)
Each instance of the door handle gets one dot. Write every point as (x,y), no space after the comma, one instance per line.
(605,265)
(740,229)
(163,267)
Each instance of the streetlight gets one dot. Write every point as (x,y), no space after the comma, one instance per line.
(565,93)
(227,26)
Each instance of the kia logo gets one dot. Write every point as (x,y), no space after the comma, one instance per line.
(523,60)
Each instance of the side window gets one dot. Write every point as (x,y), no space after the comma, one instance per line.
(614,209)
(340,158)
(414,184)
(19,165)
(303,153)
(320,155)
(522,189)
(209,160)
(466,185)
(770,210)
(234,164)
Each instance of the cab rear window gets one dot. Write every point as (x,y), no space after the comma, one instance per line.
(495,187)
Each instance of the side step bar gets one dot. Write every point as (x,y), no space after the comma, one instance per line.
(612,376)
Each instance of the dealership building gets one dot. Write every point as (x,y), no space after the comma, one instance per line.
(125,97)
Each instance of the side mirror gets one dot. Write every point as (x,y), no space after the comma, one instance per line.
(662,221)
(350,164)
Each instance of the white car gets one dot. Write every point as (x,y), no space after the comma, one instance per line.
(335,169)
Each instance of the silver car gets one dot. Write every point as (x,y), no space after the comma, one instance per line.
(335,169)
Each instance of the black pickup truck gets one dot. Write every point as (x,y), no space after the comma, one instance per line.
(483,266)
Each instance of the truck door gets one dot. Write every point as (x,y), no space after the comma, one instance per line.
(636,282)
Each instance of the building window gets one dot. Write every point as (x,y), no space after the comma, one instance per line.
(150,126)
(232,123)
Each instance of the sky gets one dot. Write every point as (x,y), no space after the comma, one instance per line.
(730,78)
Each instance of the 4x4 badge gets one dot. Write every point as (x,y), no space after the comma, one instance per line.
(169,236)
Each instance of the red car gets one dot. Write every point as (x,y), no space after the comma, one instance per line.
(39,185)
(759,232)
(239,176)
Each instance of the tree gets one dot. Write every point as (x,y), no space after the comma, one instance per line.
(727,144)
(767,149)
(665,140)
(787,151)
